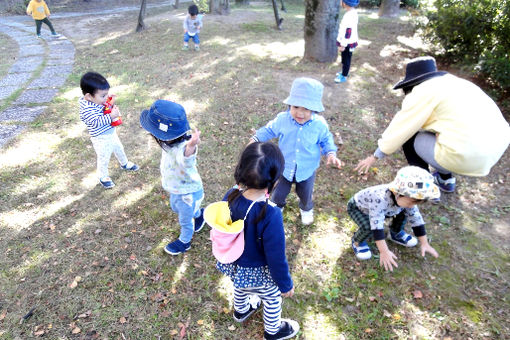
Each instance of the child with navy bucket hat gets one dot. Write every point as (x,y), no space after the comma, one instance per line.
(166,121)
(303,135)
(347,39)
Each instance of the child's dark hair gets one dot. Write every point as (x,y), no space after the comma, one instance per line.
(193,10)
(91,82)
(171,143)
(259,167)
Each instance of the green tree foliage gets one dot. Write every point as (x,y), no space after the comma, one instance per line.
(476,32)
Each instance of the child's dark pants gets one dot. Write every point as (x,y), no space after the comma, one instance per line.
(346,61)
(304,190)
(38,24)
(364,231)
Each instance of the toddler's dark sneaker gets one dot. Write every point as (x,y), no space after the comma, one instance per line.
(199,221)
(177,247)
(197,48)
(130,166)
(403,238)
(340,79)
(362,250)
(55,35)
(446,185)
(255,303)
(106,182)
(288,329)
(185,48)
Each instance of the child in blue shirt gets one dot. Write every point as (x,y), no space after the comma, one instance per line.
(192,25)
(104,138)
(262,271)
(167,123)
(303,135)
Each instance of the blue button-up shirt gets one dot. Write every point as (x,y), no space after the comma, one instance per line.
(301,145)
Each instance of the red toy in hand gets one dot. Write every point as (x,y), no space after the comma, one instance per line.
(108,106)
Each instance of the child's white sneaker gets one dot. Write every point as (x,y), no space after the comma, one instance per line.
(306,216)
(362,250)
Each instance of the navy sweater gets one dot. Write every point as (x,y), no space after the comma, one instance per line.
(264,242)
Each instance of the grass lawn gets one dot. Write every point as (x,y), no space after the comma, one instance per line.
(8,51)
(89,263)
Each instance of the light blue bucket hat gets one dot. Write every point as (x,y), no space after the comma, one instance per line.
(307,93)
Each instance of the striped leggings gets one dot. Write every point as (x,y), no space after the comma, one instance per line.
(272,300)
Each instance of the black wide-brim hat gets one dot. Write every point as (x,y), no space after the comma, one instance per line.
(165,120)
(418,70)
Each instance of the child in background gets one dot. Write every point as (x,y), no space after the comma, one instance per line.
(41,13)
(167,123)
(399,199)
(104,138)
(347,39)
(259,270)
(302,136)
(192,25)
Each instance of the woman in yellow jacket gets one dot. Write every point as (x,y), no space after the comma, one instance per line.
(446,122)
(40,12)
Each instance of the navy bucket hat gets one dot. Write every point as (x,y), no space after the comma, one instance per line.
(418,70)
(165,120)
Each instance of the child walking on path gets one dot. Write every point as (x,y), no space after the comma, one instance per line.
(398,200)
(41,13)
(302,136)
(166,121)
(192,25)
(256,261)
(347,39)
(104,138)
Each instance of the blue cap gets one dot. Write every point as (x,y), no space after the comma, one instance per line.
(165,120)
(307,93)
(351,3)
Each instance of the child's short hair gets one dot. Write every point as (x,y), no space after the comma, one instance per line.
(91,82)
(193,10)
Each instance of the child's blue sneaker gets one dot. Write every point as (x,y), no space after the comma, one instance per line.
(106,182)
(130,166)
(199,221)
(177,247)
(446,185)
(362,250)
(340,79)
(403,238)
(255,303)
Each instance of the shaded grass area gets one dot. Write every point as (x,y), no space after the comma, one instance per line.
(8,51)
(91,261)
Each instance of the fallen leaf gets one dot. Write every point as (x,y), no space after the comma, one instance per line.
(174,332)
(39,332)
(132,257)
(396,317)
(350,299)
(3,314)
(372,298)
(84,315)
(368,330)
(232,328)
(417,294)
(122,320)
(76,330)
(74,284)
(386,313)
(200,322)
(226,310)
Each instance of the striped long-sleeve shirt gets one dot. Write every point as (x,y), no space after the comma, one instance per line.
(92,115)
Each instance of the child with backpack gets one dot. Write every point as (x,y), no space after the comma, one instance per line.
(251,250)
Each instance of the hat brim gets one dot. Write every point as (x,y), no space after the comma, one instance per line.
(303,103)
(154,130)
(418,80)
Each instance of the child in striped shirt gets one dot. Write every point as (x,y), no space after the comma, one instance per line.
(102,134)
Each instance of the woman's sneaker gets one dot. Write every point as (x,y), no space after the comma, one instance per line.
(106,182)
(288,329)
(255,303)
(177,247)
(306,216)
(403,238)
(446,185)
(362,250)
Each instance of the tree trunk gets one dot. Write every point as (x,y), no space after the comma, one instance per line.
(389,8)
(176,4)
(277,16)
(321,29)
(141,25)
(221,7)
(243,2)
